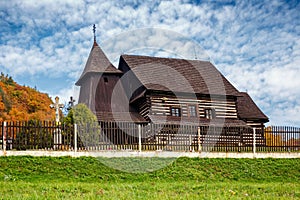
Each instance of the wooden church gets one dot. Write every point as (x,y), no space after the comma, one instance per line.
(146,89)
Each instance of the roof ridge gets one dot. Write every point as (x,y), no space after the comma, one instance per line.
(158,57)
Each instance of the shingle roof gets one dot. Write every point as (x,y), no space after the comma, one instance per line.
(247,109)
(97,63)
(179,75)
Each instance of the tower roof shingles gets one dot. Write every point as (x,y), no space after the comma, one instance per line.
(97,63)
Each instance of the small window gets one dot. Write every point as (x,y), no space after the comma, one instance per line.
(210,113)
(105,79)
(175,112)
(192,110)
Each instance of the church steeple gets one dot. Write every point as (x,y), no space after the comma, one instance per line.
(97,62)
(95,68)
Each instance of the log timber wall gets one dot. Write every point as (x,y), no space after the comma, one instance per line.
(158,105)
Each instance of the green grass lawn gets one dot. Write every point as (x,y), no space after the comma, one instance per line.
(186,178)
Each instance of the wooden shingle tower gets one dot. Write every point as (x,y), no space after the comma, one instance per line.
(98,72)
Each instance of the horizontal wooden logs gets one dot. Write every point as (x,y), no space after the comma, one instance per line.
(223,108)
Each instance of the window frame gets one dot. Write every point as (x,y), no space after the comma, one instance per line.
(195,111)
(210,113)
(177,112)
(105,79)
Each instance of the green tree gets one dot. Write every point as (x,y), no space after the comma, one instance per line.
(82,115)
(88,127)
(10,81)
(69,118)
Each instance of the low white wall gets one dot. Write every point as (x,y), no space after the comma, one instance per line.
(149,154)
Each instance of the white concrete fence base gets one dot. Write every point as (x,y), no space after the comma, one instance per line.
(162,154)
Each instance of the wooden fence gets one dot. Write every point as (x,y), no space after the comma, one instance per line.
(102,136)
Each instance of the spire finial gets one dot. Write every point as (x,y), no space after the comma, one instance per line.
(94,31)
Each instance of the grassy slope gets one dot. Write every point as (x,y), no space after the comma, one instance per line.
(186,178)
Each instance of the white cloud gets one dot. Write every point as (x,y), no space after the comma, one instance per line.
(255,44)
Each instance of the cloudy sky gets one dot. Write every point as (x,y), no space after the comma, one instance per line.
(45,44)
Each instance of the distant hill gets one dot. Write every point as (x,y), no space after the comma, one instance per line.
(22,103)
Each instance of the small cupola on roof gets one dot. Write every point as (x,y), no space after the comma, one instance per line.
(97,63)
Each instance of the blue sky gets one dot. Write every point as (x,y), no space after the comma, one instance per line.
(255,44)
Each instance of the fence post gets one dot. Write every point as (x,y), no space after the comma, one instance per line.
(199,139)
(4,137)
(140,137)
(75,138)
(254,140)
(190,143)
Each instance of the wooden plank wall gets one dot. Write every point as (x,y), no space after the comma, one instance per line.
(255,124)
(143,106)
(162,105)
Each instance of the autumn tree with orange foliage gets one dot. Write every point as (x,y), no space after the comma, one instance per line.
(294,142)
(272,139)
(22,103)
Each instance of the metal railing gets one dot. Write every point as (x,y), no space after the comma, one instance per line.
(106,136)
